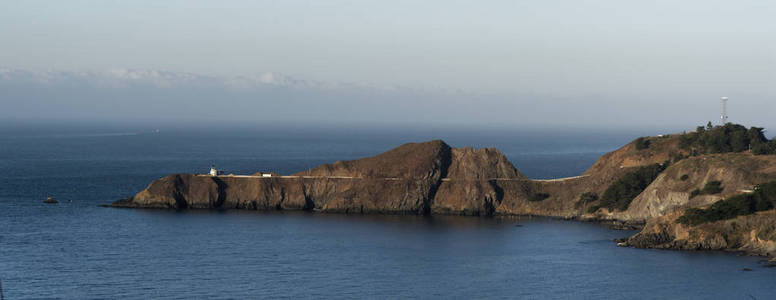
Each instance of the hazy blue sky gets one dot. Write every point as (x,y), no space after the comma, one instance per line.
(614,55)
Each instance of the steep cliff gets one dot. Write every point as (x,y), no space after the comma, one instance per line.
(434,178)
(475,182)
(672,189)
(402,180)
(183,191)
(667,199)
(428,160)
(406,180)
(566,195)
(423,178)
(752,234)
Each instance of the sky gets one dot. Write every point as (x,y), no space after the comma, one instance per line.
(517,63)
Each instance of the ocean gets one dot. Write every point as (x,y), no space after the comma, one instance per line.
(79,250)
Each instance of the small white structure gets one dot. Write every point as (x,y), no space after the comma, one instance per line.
(266,174)
(214,171)
(724,111)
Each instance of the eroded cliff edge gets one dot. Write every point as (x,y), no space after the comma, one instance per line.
(415,178)
(434,178)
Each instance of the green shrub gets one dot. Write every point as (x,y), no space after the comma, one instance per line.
(586,198)
(763,198)
(764,147)
(620,193)
(675,157)
(711,187)
(642,143)
(538,197)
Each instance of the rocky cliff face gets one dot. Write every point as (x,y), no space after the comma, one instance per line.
(428,160)
(737,172)
(434,178)
(666,199)
(402,180)
(474,183)
(753,234)
(181,191)
(405,180)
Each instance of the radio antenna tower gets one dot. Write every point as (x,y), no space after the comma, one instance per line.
(724,110)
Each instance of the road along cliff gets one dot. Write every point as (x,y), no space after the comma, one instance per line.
(415,178)
(404,180)
(651,183)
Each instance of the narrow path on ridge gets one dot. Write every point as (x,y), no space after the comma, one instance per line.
(388,178)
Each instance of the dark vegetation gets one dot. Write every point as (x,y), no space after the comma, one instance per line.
(711,187)
(763,198)
(675,157)
(620,194)
(536,197)
(705,140)
(585,199)
(642,143)
(727,138)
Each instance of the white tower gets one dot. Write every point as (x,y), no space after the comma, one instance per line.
(724,110)
(213,171)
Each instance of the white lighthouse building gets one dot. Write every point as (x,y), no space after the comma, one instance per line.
(214,171)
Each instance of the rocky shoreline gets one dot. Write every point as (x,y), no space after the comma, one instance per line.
(432,178)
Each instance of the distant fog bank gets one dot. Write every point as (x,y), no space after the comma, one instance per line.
(132,96)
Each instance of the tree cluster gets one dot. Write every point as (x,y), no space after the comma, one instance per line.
(727,138)
(711,187)
(536,197)
(620,193)
(642,143)
(585,199)
(763,198)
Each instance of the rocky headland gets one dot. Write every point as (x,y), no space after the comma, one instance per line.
(693,191)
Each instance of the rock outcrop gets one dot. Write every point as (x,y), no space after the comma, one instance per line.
(738,172)
(415,178)
(753,234)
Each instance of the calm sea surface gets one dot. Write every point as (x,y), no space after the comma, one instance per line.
(76,249)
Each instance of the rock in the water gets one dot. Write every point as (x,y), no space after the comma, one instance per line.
(50,200)
(771,263)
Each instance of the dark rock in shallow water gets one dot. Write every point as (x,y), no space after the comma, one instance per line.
(770,263)
(746,269)
(124,202)
(50,200)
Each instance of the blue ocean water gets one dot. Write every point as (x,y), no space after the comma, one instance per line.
(78,250)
